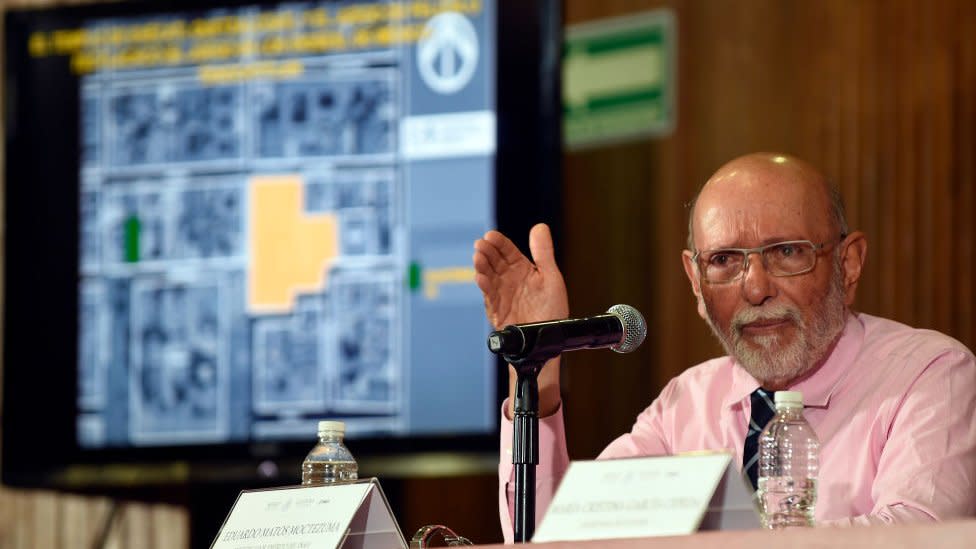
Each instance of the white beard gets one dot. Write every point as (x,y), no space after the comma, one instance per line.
(766,357)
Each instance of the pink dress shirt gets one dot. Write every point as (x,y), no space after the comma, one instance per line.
(894,408)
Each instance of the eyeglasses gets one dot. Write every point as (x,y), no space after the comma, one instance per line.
(788,258)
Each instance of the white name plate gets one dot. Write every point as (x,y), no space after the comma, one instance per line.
(643,497)
(302,517)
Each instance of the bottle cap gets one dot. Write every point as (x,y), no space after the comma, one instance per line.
(788,399)
(332,427)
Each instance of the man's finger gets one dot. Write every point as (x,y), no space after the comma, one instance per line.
(487,258)
(507,249)
(486,285)
(482,264)
(543,252)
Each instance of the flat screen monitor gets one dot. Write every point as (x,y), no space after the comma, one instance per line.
(226,221)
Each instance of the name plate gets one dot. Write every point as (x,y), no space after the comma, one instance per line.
(642,497)
(301,517)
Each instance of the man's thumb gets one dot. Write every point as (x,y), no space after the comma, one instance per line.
(540,245)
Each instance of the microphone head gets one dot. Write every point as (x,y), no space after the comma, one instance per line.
(635,329)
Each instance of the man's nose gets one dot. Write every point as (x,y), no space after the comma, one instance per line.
(757,283)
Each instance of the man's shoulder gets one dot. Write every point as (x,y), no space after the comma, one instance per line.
(890,340)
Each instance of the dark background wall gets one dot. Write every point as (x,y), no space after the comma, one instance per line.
(881,94)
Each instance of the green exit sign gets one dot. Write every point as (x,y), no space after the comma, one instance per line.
(618,79)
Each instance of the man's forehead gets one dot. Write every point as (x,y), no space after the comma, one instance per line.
(761,200)
(756,223)
(755,199)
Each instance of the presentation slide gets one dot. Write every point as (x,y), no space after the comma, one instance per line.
(277,210)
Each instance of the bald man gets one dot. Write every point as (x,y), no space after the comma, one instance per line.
(774,269)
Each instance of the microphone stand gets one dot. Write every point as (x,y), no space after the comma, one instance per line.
(525,446)
(525,437)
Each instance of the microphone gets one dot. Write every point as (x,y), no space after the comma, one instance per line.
(622,329)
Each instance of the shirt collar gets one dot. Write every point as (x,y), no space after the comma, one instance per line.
(818,386)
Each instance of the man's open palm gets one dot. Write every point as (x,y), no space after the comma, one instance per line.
(516,289)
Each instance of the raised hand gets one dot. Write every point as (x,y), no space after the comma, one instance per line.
(519,290)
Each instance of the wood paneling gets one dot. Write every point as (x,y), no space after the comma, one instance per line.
(879,94)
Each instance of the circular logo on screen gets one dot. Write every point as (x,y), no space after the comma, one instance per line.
(447,53)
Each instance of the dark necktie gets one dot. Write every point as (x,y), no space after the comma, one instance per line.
(763,410)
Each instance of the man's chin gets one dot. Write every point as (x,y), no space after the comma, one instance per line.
(770,376)
(771,363)
(768,347)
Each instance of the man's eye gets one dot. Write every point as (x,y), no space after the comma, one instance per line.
(790,251)
(786,250)
(719,259)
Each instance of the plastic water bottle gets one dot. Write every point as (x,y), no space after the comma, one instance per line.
(329,461)
(789,462)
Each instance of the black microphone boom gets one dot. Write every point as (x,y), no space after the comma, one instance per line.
(622,329)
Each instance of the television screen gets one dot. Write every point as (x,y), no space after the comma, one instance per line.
(225,223)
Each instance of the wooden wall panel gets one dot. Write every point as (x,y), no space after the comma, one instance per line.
(963,145)
(879,94)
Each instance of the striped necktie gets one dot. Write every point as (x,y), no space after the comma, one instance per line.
(763,410)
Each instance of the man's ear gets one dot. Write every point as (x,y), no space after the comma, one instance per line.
(852,262)
(691,271)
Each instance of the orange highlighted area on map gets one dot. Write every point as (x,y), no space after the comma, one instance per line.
(289,249)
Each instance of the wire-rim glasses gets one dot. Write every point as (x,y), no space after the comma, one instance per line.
(786,258)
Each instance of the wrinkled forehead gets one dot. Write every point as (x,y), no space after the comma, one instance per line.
(746,208)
